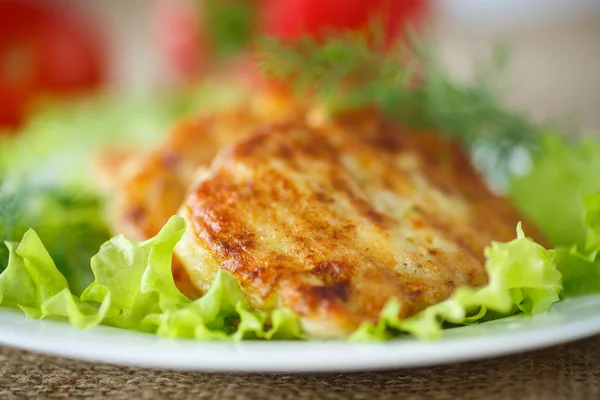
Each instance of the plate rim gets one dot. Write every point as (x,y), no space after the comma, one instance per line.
(21,333)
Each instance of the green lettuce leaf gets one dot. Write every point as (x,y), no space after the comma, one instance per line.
(551,192)
(580,266)
(522,278)
(557,193)
(32,282)
(67,220)
(134,289)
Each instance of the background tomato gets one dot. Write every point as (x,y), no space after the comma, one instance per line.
(291,19)
(180,37)
(45,48)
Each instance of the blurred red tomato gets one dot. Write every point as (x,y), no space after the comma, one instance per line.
(179,34)
(290,19)
(44,49)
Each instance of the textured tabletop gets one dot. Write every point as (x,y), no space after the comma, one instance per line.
(570,371)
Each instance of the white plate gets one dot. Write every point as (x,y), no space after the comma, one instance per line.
(565,321)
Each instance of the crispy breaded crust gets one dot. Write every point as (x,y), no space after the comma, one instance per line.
(149,188)
(332,222)
(153,190)
(155,187)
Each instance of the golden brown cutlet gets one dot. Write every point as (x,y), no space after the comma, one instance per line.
(333,221)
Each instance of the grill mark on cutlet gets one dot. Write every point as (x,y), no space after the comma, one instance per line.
(473,249)
(341,183)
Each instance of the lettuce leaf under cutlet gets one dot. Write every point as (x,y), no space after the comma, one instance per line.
(134,289)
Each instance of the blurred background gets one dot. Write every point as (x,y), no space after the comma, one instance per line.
(68,47)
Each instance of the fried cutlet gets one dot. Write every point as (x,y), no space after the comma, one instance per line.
(333,221)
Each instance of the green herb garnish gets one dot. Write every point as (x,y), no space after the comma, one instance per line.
(408,84)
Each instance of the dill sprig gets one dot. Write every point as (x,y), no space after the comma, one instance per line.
(409,85)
